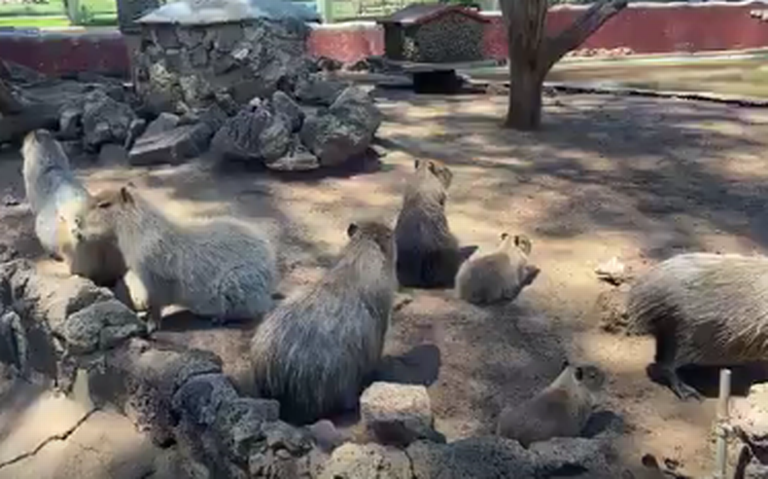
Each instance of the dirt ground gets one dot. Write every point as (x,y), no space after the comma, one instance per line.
(641,179)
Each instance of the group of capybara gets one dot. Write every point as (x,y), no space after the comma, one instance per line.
(316,350)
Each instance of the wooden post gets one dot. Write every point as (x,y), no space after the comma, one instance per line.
(722,427)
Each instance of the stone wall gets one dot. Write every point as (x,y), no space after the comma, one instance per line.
(181,67)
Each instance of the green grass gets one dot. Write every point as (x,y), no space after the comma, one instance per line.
(36,21)
(51,14)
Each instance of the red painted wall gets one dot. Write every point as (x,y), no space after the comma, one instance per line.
(56,54)
(643,28)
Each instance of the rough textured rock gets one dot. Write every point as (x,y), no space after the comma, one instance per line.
(199,399)
(253,135)
(101,325)
(298,158)
(240,424)
(352,461)
(171,146)
(284,106)
(344,130)
(111,154)
(105,120)
(70,123)
(315,89)
(242,60)
(164,122)
(397,414)
(326,436)
(13,342)
(142,380)
(135,130)
(494,457)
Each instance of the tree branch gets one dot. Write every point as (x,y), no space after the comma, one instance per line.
(569,39)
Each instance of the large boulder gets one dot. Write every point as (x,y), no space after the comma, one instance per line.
(344,130)
(315,89)
(253,134)
(397,414)
(284,106)
(105,120)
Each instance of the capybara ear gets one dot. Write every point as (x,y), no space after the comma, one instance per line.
(579,373)
(505,236)
(416,164)
(432,167)
(352,229)
(125,195)
(565,364)
(524,243)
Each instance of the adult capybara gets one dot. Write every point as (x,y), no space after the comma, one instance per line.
(703,309)
(428,254)
(314,352)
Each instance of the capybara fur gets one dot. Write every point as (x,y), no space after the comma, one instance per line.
(220,268)
(314,352)
(703,309)
(59,201)
(497,276)
(428,254)
(562,409)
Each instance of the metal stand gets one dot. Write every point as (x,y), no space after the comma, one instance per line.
(722,426)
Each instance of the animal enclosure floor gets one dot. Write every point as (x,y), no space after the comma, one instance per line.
(637,178)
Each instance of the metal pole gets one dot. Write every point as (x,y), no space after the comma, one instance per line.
(721,429)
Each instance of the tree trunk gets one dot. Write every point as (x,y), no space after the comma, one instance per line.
(524,111)
(532,54)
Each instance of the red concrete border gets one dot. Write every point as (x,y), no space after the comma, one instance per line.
(643,28)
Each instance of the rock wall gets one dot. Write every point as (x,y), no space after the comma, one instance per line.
(182,67)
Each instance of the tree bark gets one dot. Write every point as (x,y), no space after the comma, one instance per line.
(532,54)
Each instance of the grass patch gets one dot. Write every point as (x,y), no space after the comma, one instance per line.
(35,21)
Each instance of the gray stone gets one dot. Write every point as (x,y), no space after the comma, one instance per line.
(54,299)
(101,325)
(755,470)
(239,425)
(172,146)
(195,89)
(253,135)
(284,106)
(13,341)
(298,158)
(343,131)
(190,37)
(165,36)
(227,36)
(142,380)
(397,414)
(198,56)
(200,398)
(371,461)
(105,120)
(314,89)
(326,436)
(163,122)
(70,123)
(496,457)
(479,458)
(284,436)
(135,130)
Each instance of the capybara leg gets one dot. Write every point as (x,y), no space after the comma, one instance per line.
(154,318)
(665,368)
(681,390)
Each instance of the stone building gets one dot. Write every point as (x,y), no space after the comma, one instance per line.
(191,51)
(434,33)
